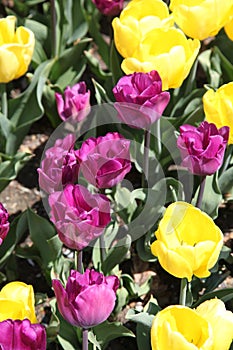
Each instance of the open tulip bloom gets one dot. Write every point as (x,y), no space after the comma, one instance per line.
(208,327)
(188,241)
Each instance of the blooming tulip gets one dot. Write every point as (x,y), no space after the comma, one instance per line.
(4,223)
(59,166)
(17,302)
(221,321)
(78,215)
(75,103)
(141,99)
(201,19)
(218,107)
(22,335)
(109,7)
(16,49)
(136,20)
(105,160)
(229,28)
(178,327)
(183,248)
(88,298)
(202,148)
(159,50)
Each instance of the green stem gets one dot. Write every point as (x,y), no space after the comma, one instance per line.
(85,339)
(183,291)
(102,248)
(146,157)
(53,28)
(79,261)
(227,159)
(4,102)
(158,137)
(201,192)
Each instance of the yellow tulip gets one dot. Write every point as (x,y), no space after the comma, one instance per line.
(180,328)
(188,241)
(229,28)
(218,107)
(166,50)
(221,321)
(200,19)
(17,302)
(136,20)
(16,49)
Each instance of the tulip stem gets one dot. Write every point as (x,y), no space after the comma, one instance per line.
(158,138)
(85,339)
(102,248)
(79,261)
(4,105)
(183,291)
(53,28)
(146,157)
(201,192)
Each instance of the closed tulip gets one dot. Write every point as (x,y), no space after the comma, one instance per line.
(183,248)
(88,299)
(75,103)
(203,18)
(221,321)
(78,215)
(140,98)
(22,335)
(59,166)
(17,302)
(105,160)
(202,148)
(180,328)
(135,21)
(109,7)
(218,107)
(16,49)
(4,223)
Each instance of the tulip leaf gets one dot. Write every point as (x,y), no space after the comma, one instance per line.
(225,181)
(225,295)
(106,331)
(115,64)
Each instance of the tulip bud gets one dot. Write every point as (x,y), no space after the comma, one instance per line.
(88,299)
(109,7)
(4,223)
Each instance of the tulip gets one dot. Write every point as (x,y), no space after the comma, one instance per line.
(221,321)
(218,107)
(17,302)
(22,335)
(213,14)
(109,7)
(78,215)
(105,160)
(141,99)
(160,48)
(4,223)
(180,328)
(183,248)
(136,20)
(88,299)
(75,103)
(16,49)
(59,166)
(229,28)
(202,148)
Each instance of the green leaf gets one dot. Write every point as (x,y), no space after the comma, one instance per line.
(225,295)
(115,64)
(106,331)
(142,318)
(225,181)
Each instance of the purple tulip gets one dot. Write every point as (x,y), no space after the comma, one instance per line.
(22,335)
(59,167)
(78,215)
(202,148)
(88,298)
(140,99)
(104,161)
(75,103)
(109,7)
(4,223)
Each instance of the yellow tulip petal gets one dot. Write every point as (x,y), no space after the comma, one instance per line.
(12,309)
(143,8)
(229,29)
(7,30)
(221,321)
(180,328)
(9,65)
